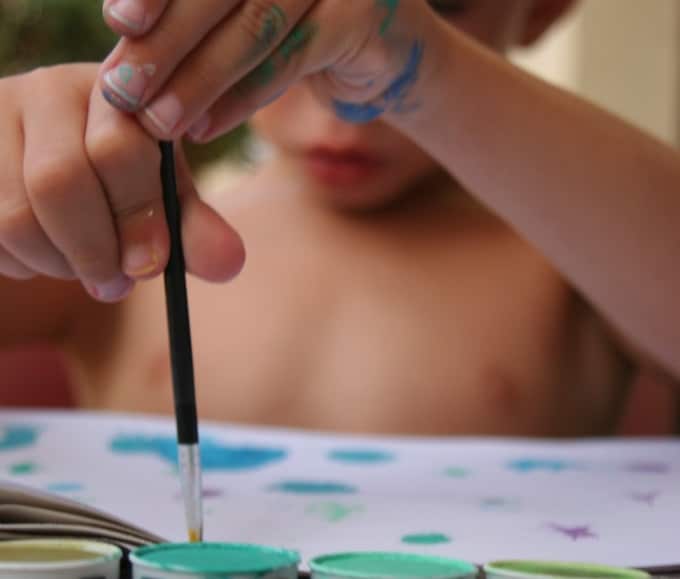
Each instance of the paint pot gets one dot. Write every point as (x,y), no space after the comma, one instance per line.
(59,559)
(375,565)
(213,561)
(558,570)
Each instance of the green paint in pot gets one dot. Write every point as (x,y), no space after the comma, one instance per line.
(215,558)
(389,565)
(544,569)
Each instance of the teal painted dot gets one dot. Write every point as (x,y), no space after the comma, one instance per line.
(366,456)
(65,487)
(23,468)
(15,437)
(456,472)
(215,456)
(301,487)
(426,539)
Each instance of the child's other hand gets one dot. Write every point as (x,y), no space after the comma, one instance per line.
(206,66)
(80,194)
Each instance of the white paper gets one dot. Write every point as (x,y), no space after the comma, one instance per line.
(605,501)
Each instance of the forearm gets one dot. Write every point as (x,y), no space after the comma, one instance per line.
(598,197)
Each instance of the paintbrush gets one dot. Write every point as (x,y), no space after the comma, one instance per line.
(181,357)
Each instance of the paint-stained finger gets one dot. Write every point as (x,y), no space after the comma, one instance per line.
(133,17)
(249,36)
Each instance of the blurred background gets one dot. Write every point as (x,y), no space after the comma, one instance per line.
(621,54)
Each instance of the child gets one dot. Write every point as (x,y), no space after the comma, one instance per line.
(378,294)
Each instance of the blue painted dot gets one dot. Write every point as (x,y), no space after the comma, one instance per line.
(533,464)
(303,487)
(15,437)
(65,487)
(214,455)
(360,456)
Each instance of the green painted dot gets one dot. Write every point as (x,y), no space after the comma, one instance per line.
(456,472)
(23,468)
(426,539)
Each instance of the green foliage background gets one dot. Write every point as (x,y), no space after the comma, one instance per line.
(45,32)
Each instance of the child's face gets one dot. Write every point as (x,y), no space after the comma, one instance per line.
(367,166)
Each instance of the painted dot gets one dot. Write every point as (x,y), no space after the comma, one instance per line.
(65,487)
(214,455)
(456,472)
(23,468)
(540,464)
(300,487)
(14,437)
(333,512)
(366,456)
(426,539)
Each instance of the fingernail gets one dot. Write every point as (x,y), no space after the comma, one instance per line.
(165,113)
(113,290)
(126,85)
(140,260)
(200,127)
(130,13)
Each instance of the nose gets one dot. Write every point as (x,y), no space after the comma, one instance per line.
(324,122)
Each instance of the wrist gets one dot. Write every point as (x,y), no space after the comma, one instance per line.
(429,95)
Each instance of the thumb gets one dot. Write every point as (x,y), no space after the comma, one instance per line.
(213,250)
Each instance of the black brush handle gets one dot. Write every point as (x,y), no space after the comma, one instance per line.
(181,356)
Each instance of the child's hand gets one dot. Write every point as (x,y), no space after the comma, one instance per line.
(80,192)
(231,57)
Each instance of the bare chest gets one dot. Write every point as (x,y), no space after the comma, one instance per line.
(408,340)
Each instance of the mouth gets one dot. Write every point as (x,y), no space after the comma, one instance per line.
(342,167)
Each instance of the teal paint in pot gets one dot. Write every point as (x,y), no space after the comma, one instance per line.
(558,570)
(59,559)
(376,565)
(213,561)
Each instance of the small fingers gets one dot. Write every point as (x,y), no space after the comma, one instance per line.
(212,249)
(22,239)
(66,195)
(285,66)
(250,37)
(138,68)
(133,17)
(127,161)
(13,268)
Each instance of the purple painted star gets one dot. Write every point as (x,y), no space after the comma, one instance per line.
(649,467)
(574,533)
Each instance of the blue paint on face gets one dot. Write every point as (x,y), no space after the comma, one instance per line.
(357,114)
(546,465)
(214,455)
(360,456)
(65,487)
(393,98)
(15,437)
(306,487)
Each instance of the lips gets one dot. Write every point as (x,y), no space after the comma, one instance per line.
(342,167)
